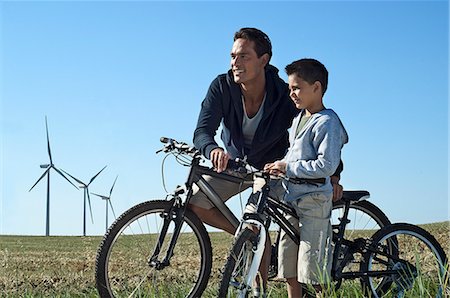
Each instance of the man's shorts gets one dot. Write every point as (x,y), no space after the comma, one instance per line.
(313,256)
(225,189)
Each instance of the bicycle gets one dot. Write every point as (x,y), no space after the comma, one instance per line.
(160,245)
(399,259)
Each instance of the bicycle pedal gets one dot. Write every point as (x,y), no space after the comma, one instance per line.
(273,272)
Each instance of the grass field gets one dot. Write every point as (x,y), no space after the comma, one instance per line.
(32,266)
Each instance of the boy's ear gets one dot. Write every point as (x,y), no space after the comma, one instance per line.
(317,86)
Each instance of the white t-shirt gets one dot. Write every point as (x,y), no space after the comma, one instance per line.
(249,125)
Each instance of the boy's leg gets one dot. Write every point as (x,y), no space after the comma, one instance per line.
(294,288)
(287,267)
(314,211)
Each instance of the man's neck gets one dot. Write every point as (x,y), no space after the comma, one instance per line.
(254,91)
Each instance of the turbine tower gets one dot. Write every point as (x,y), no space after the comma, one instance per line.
(85,188)
(47,168)
(108,199)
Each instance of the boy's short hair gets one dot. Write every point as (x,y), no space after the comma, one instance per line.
(261,40)
(309,70)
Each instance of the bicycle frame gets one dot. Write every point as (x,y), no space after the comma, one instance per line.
(274,209)
(277,210)
(176,213)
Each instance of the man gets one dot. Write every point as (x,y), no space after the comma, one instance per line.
(252,103)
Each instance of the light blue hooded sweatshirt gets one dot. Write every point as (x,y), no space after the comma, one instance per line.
(314,153)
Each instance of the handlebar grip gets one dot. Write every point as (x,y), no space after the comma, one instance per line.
(166,140)
(237,166)
(232,164)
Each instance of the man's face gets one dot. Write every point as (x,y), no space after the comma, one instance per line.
(245,64)
(303,94)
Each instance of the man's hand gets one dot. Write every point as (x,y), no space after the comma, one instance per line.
(337,188)
(276,168)
(219,159)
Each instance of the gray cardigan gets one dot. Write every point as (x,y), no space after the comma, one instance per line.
(314,153)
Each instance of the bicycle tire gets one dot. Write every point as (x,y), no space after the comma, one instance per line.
(365,219)
(413,245)
(237,265)
(360,225)
(122,265)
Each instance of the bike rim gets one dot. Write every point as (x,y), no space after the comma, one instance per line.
(423,278)
(127,271)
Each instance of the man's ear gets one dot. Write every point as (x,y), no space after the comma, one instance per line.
(265,58)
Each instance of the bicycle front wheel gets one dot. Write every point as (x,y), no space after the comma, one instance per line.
(123,266)
(417,269)
(238,265)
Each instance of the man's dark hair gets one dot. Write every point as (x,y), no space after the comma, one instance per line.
(309,70)
(261,40)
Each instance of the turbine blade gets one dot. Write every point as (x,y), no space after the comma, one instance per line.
(112,187)
(103,197)
(93,178)
(90,207)
(48,142)
(77,180)
(112,209)
(40,178)
(59,172)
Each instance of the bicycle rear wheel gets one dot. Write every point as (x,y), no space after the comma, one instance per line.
(418,270)
(365,219)
(123,268)
(238,265)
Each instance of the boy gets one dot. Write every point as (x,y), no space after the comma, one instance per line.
(316,138)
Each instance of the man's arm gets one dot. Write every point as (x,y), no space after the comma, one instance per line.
(337,188)
(209,120)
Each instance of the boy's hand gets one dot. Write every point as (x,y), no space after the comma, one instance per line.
(337,188)
(219,159)
(276,168)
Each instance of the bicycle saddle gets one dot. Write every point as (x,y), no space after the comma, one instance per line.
(355,195)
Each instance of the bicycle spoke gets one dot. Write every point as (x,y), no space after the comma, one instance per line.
(129,271)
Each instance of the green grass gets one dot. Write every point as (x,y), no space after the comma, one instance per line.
(32,266)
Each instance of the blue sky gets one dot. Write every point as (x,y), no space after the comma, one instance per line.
(112,77)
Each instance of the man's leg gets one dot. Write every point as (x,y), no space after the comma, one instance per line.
(205,210)
(213,217)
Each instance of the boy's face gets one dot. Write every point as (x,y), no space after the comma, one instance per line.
(304,94)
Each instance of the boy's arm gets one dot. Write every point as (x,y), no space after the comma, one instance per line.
(328,139)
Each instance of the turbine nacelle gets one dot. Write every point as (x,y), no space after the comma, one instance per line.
(48,168)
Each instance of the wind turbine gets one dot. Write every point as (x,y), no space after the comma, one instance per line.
(85,195)
(108,199)
(47,168)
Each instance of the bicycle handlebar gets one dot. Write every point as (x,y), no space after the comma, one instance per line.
(236,165)
(172,145)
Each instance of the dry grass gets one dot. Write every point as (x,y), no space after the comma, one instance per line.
(64,266)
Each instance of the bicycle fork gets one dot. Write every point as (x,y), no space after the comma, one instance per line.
(174,214)
(258,251)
